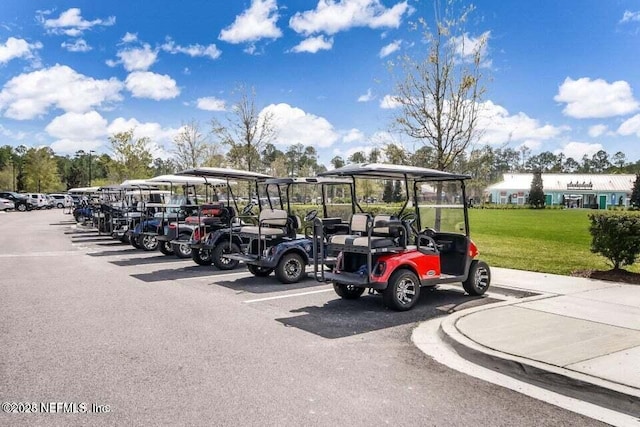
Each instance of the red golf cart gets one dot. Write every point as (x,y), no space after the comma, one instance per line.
(425,242)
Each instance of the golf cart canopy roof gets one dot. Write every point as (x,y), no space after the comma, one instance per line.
(389,171)
(131,184)
(83,190)
(308,180)
(185,179)
(225,173)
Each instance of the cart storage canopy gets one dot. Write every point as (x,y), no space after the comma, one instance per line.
(389,171)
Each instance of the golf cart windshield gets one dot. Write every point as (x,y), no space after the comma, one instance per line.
(444,214)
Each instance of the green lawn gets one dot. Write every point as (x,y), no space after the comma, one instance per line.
(548,240)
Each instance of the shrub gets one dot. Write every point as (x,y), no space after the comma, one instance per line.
(536,193)
(616,236)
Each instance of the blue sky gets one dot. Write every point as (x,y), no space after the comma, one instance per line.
(563,75)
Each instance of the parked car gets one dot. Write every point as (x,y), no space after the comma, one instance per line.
(62,200)
(6,205)
(19,200)
(51,202)
(38,200)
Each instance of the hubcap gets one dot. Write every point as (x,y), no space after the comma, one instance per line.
(482,278)
(185,249)
(149,241)
(405,291)
(292,268)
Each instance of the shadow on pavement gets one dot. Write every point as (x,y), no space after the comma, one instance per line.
(262,285)
(341,318)
(179,273)
(94,239)
(147,260)
(63,223)
(123,251)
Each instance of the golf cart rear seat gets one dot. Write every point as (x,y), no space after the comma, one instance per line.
(273,223)
(385,230)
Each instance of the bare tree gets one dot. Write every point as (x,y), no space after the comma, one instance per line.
(246,131)
(441,92)
(191,147)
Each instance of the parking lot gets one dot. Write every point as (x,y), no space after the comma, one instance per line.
(160,340)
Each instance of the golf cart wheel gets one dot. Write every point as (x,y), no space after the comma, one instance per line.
(201,256)
(135,241)
(21,208)
(347,291)
(259,271)
(148,243)
(165,247)
(291,268)
(403,291)
(218,255)
(181,250)
(479,278)
(125,238)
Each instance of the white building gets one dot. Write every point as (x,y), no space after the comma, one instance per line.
(597,191)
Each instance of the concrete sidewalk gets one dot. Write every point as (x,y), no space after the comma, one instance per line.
(577,336)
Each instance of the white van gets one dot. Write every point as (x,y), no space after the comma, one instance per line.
(38,200)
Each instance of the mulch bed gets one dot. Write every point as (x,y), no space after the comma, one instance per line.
(619,275)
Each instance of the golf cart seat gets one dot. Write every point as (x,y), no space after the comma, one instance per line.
(272,223)
(386,230)
(358,226)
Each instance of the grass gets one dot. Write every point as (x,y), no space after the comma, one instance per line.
(548,240)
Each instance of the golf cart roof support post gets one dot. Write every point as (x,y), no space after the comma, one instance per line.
(417,205)
(288,198)
(354,200)
(323,190)
(464,208)
(406,190)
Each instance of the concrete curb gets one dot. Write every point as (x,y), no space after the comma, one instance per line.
(608,394)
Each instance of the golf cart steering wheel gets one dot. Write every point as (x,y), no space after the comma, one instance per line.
(248,210)
(429,232)
(410,219)
(311,215)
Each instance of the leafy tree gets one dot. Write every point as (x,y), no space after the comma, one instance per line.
(337,162)
(536,193)
(357,157)
(246,132)
(41,170)
(616,237)
(396,154)
(397,191)
(619,160)
(635,193)
(570,165)
(387,193)
(190,146)
(600,162)
(441,92)
(163,167)
(131,157)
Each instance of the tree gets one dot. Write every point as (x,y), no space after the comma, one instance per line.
(616,237)
(600,161)
(635,193)
(395,154)
(337,162)
(536,193)
(357,157)
(131,157)
(41,170)
(190,146)
(387,193)
(246,131)
(619,160)
(441,92)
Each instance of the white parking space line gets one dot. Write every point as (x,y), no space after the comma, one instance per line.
(288,296)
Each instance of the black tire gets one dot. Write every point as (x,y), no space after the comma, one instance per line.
(181,250)
(218,258)
(149,243)
(347,291)
(479,278)
(201,256)
(125,238)
(166,248)
(21,207)
(259,271)
(290,268)
(59,206)
(403,290)
(135,241)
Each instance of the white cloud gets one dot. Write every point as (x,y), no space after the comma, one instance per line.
(576,150)
(145,84)
(366,97)
(29,95)
(257,22)
(597,130)
(160,137)
(79,45)
(211,103)
(629,16)
(70,146)
(18,48)
(136,59)
(130,37)
(331,17)
(294,126)
(389,102)
(390,48)
(466,47)
(71,23)
(500,127)
(18,136)
(630,126)
(313,44)
(78,126)
(586,98)
(353,135)
(193,50)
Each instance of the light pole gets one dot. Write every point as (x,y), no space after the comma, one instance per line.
(90,152)
(13,174)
